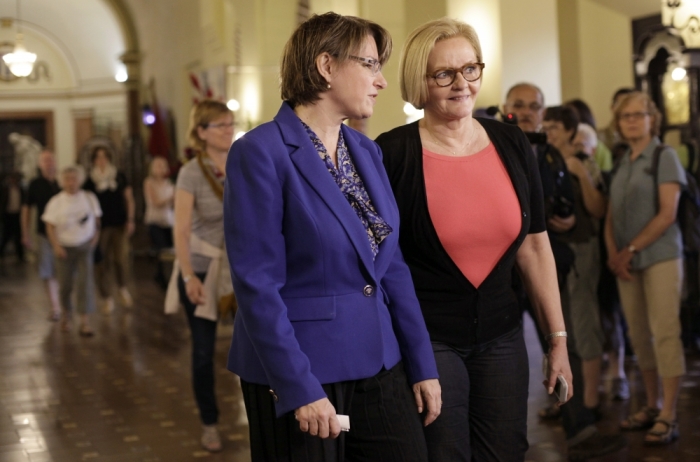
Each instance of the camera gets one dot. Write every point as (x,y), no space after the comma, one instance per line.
(558,203)
(512,119)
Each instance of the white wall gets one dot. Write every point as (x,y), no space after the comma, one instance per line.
(530,44)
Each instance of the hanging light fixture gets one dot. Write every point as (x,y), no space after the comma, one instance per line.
(20,61)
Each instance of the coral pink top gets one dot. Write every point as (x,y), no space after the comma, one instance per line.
(473,207)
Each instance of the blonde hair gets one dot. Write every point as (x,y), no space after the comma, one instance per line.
(414,55)
(201,115)
(650,107)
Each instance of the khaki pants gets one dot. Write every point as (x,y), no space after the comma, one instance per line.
(75,272)
(651,303)
(114,246)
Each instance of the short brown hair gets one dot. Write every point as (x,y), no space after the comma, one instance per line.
(654,113)
(414,56)
(339,36)
(201,115)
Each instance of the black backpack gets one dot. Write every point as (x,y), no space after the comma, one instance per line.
(688,215)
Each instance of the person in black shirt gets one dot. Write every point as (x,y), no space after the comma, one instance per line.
(41,190)
(117,203)
(11,199)
(526,102)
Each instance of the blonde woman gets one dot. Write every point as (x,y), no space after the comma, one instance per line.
(645,253)
(159,192)
(471,207)
(199,242)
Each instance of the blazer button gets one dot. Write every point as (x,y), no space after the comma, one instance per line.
(368,291)
(274,396)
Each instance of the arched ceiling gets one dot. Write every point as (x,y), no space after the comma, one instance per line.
(88,32)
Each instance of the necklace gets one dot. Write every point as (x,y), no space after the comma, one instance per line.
(454,153)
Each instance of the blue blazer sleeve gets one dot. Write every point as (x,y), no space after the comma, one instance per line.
(256,250)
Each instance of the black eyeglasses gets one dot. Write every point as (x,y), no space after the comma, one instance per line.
(446,77)
(370,63)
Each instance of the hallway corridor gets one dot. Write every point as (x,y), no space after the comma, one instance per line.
(124,395)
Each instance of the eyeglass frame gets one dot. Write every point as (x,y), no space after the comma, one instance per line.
(220,125)
(375,63)
(457,70)
(634,116)
(534,107)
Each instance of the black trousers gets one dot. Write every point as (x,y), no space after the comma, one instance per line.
(12,232)
(384,424)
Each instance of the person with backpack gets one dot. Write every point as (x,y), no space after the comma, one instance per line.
(645,253)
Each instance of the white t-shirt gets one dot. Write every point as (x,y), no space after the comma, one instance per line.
(73,215)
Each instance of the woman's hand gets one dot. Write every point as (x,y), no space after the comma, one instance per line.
(620,263)
(559,365)
(195,290)
(318,419)
(576,167)
(130,228)
(428,396)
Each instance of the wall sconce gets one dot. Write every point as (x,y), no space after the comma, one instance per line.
(233,105)
(20,61)
(147,115)
(678,74)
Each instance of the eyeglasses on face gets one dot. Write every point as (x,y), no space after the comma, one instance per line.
(633,116)
(223,125)
(446,77)
(519,106)
(370,63)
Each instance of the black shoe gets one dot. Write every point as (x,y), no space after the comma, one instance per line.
(596,445)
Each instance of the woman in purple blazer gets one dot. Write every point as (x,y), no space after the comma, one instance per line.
(328,321)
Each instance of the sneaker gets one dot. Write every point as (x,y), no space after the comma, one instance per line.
(107,305)
(596,445)
(620,389)
(211,441)
(125,298)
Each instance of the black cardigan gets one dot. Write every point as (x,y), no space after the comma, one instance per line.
(456,312)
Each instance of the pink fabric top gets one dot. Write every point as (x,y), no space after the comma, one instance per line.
(473,207)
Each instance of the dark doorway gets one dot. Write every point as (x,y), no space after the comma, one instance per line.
(34,127)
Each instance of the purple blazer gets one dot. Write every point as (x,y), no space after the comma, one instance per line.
(314,308)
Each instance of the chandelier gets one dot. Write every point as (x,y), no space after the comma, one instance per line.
(20,61)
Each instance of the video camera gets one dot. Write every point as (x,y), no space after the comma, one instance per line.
(512,119)
(557,203)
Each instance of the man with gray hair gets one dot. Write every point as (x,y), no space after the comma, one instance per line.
(41,190)
(584,441)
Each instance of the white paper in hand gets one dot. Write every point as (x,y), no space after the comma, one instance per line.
(344,421)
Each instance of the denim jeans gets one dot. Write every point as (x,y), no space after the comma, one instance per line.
(484,402)
(203,342)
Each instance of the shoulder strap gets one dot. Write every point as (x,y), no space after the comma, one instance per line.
(216,187)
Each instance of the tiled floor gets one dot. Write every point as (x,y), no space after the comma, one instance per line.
(125,396)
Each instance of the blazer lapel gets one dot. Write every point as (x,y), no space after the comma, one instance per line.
(378,194)
(314,171)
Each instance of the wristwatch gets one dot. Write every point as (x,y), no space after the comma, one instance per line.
(187,278)
(631,248)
